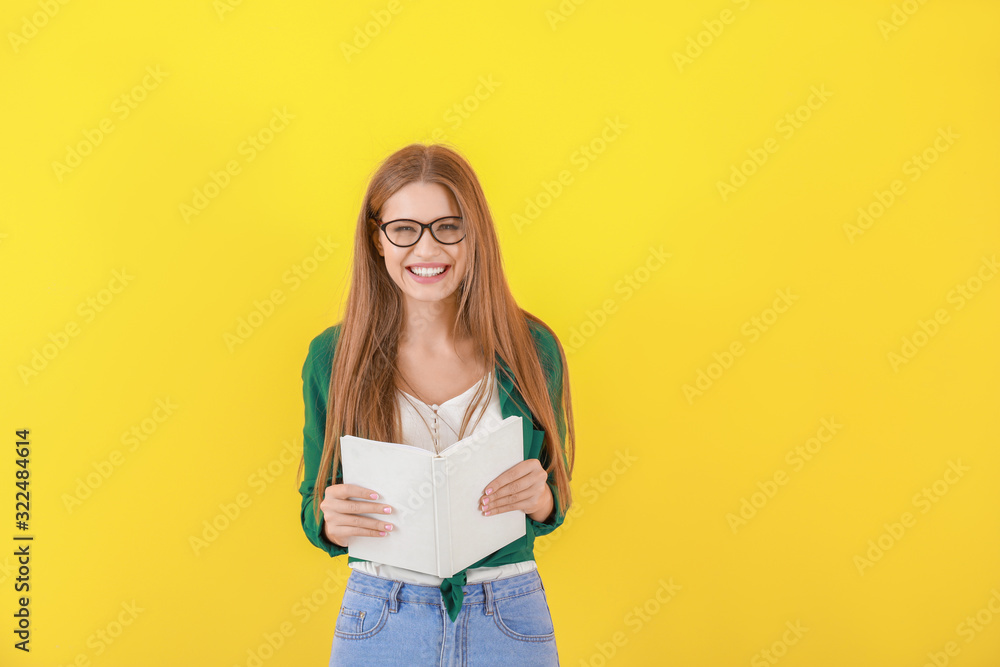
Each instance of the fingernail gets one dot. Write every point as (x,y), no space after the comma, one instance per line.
(382,533)
(387,510)
(488,491)
(374,496)
(388,526)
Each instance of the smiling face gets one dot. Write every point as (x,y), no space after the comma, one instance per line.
(423,202)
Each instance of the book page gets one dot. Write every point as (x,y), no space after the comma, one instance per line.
(472,463)
(401,475)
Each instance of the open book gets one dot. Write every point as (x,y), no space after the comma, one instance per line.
(437,525)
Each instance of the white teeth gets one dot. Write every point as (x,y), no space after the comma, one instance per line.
(425,272)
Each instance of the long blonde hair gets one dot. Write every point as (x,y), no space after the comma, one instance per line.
(362,395)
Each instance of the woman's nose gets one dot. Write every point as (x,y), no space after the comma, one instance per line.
(427,246)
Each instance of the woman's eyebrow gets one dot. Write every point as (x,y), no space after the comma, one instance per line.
(431,222)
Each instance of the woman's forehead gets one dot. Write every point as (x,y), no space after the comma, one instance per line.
(420,201)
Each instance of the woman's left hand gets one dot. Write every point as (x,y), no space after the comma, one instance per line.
(521,487)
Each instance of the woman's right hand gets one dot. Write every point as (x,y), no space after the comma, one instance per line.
(341,516)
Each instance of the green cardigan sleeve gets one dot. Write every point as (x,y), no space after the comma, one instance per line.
(552,366)
(315,389)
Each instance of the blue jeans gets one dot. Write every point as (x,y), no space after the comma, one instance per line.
(389,622)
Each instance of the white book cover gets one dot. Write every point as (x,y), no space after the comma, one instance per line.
(438,528)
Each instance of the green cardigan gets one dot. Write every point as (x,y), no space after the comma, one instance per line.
(315,389)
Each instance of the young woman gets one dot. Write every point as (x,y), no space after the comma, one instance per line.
(431,348)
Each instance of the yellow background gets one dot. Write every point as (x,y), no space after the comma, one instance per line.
(522,90)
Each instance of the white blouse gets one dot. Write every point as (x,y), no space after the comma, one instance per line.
(437,434)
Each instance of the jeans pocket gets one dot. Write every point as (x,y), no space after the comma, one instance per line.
(525,617)
(361,616)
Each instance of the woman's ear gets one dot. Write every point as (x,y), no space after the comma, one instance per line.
(377,240)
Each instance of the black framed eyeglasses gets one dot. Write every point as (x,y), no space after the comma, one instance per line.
(403,233)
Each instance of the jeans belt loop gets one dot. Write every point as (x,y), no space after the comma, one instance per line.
(488,593)
(393,597)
